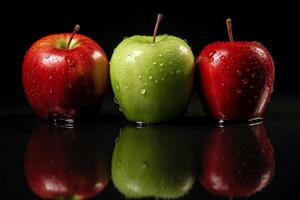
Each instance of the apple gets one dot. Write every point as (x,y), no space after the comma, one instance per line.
(65,76)
(237,160)
(152,77)
(65,163)
(236,79)
(153,162)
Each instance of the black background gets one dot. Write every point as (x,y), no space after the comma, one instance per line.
(275,24)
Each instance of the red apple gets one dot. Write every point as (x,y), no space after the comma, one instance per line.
(65,76)
(236,79)
(237,160)
(63,163)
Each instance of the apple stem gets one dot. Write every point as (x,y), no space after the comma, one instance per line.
(229,29)
(159,16)
(76,29)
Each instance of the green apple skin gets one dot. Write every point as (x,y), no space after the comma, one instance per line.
(152,82)
(153,162)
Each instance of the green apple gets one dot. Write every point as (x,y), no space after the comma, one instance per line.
(152,81)
(153,162)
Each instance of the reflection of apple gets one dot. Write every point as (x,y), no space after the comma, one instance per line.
(237,160)
(152,79)
(62,163)
(153,162)
(65,76)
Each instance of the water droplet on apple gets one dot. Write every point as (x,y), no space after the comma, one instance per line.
(146,84)
(152,45)
(143,91)
(239,91)
(126,87)
(50,91)
(222,84)
(212,53)
(154,63)
(251,86)
(119,57)
(144,165)
(160,55)
(247,70)
(162,79)
(238,72)
(150,77)
(50,77)
(178,71)
(129,54)
(69,85)
(120,109)
(253,75)
(116,101)
(70,61)
(156,81)
(222,57)
(244,81)
(161,64)
(117,86)
(139,76)
(160,69)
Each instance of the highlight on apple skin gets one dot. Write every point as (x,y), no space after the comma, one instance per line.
(152,77)
(64,163)
(153,162)
(65,76)
(236,79)
(236,160)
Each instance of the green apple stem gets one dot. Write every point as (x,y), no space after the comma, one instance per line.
(159,16)
(76,29)
(229,29)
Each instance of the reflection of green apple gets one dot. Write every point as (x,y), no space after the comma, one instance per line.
(152,81)
(153,162)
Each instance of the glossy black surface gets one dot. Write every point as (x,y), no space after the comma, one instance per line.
(281,125)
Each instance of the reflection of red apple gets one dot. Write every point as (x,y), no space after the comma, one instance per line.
(63,163)
(237,160)
(65,76)
(236,79)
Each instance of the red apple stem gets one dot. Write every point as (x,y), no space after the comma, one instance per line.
(229,29)
(76,29)
(159,16)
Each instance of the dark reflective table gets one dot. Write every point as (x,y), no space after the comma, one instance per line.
(192,158)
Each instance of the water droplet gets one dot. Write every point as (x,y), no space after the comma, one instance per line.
(162,79)
(178,71)
(50,77)
(115,100)
(156,81)
(222,57)
(212,53)
(70,61)
(69,85)
(143,91)
(154,63)
(50,91)
(238,72)
(152,45)
(126,87)
(244,81)
(144,165)
(150,77)
(161,64)
(146,83)
(239,91)
(129,54)
(247,70)
(120,109)
(251,86)
(170,62)
(119,57)
(117,86)
(139,76)
(222,84)
(253,75)
(160,55)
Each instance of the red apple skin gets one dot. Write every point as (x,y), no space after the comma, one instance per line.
(237,161)
(62,163)
(236,79)
(65,83)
